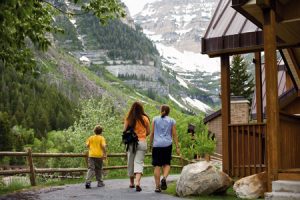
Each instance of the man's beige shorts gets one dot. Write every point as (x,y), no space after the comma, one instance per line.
(136,160)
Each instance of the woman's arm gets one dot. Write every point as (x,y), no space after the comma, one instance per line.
(175,138)
(125,125)
(148,128)
(152,135)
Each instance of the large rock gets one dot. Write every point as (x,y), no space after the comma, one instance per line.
(251,187)
(202,178)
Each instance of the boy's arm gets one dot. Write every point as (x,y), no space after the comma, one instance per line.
(104,151)
(103,146)
(87,144)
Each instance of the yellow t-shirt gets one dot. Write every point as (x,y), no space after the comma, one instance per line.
(96,143)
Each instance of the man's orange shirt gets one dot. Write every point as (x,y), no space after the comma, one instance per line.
(96,143)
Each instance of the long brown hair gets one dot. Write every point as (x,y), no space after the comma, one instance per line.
(135,114)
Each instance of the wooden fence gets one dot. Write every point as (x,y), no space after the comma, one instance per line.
(32,171)
(247,147)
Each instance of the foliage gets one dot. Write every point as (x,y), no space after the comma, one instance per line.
(121,41)
(200,144)
(32,19)
(15,185)
(5,132)
(241,82)
(32,103)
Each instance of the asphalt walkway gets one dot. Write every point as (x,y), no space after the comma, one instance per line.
(113,190)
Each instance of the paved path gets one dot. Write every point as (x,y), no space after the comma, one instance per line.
(116,189)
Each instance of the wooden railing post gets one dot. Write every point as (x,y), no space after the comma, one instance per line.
(86,159)
(181,160)
(31,167)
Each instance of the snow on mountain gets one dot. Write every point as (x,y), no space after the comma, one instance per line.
(178,103)
(176,27)
(187,60)
(181,82)
(197,104)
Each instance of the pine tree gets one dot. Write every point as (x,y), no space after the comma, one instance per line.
(241,82)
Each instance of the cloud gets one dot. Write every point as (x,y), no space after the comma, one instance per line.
(136,6)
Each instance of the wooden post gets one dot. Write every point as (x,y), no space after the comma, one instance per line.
(271,71)
(225,98)
(31,167)
(87,159)
(258,88)
(181,160)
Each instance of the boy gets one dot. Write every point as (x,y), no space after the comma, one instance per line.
(97,152)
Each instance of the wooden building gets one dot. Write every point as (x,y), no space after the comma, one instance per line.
(255,26)
(240,114)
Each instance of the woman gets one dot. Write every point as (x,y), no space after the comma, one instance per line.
(163,131)
(139,120)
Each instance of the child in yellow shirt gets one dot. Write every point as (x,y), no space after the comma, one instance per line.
(97,152)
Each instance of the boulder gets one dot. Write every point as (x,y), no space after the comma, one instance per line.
(202,178)
(251,187)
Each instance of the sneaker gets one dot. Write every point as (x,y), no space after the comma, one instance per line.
(163,184)
(100,184)
(87,185)
(138,188)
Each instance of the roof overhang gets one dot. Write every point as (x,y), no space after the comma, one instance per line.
(287,14)
(287,29)
(238,44)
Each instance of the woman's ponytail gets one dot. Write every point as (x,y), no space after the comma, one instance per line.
(165,110)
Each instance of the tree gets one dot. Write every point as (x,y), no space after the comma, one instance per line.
(30,20)
(5,133)
(241,82)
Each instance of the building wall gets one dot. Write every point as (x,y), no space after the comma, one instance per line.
(239,114)
(215,127)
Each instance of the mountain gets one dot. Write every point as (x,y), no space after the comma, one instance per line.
(122,48)
(176,27)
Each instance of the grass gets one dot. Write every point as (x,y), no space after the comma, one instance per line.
(229,195)
(13,186)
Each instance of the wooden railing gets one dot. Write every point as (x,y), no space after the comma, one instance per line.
(32,171)
(247,147)
(289,138)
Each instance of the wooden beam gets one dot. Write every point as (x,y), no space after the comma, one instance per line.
(258,87)
(288,12)
(225,95)
(293,66)
(265,4)
(272,103)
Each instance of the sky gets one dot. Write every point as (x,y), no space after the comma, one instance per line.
(136,6)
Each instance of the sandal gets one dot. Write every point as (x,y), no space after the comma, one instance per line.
(138,188)
(163,183)
(131,186)
(158,190)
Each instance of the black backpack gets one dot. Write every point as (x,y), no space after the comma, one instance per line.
(129,137)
